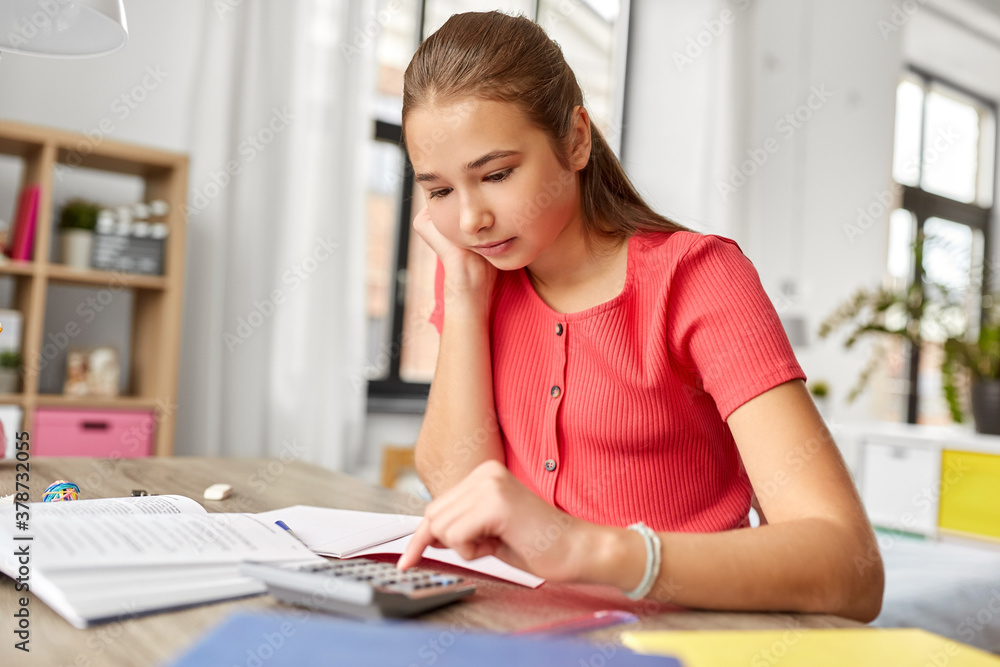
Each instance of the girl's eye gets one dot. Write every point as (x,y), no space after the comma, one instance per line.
(500,175)
(492,178)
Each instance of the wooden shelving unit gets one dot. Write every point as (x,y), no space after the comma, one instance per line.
(156,313)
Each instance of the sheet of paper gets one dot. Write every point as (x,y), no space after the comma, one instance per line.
(118,506)
(487,564)
(342,533)
(109,542)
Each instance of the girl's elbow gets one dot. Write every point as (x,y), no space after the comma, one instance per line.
(870,588)
(857,593)
(849,584)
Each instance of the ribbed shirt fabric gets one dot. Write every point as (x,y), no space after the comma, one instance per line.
(616,414)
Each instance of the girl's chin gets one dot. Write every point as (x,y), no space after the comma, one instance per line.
(506,263)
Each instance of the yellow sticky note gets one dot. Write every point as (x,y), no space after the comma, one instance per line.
(802,647)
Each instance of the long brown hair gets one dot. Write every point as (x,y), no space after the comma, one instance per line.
(502,58)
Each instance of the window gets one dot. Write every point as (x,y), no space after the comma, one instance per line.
(402,346)
(943,163)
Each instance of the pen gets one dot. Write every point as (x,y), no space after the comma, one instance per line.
(585,623)
(284,527)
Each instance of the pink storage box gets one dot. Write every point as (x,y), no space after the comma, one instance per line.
(107,433)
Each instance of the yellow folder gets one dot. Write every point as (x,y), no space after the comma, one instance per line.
(802,647)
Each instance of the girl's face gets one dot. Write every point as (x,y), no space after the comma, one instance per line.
(491,180)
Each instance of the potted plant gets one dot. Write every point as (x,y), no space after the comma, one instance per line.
(10,368)
(820,391)
(920,312)
(980,360)
(77,223)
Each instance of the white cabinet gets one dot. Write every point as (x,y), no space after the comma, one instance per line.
(900,485)
(898,472)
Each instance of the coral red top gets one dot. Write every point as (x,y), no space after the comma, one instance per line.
(616,414)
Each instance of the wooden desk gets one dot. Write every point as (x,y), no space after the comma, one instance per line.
(261,485)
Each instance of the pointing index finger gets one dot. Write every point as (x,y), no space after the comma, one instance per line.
(414,550)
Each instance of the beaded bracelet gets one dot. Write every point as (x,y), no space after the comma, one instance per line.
(653,547)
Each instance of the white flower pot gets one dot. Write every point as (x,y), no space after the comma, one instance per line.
(76,244)
(9,380)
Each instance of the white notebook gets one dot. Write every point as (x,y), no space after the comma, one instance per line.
(345,534)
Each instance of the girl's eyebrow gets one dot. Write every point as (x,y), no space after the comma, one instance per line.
(472,166)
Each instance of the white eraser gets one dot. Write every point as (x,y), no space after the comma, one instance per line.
(218,492)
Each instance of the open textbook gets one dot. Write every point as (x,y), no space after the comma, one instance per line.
(97,560)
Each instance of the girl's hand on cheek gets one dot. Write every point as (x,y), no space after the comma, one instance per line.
(491,513)
(465,270)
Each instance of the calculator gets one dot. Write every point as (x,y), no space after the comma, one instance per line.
(360,587)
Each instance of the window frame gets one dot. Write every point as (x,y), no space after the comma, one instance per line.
(392,394)
(924,205)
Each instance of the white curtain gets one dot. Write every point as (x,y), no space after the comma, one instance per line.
(274,330)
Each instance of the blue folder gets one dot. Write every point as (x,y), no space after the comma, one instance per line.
(270,640)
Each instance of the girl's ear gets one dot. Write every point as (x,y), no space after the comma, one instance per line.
(579,135)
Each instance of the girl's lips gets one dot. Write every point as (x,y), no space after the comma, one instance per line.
(495,249)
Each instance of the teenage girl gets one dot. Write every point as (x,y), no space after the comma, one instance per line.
(611,387)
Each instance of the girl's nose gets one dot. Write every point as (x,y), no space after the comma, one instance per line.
(474,218)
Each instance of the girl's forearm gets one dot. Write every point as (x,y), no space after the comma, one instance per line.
(460,428)
(806,565)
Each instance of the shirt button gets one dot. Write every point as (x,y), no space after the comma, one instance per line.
(550,464)
(559,329)
(555,392)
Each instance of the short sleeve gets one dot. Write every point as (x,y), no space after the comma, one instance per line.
(437,315)
(723,327)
